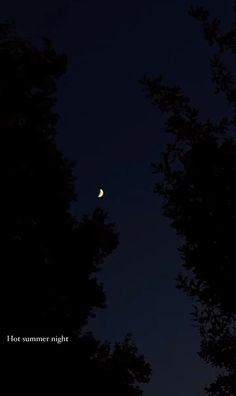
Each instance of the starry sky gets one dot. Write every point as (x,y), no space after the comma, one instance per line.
(110,127)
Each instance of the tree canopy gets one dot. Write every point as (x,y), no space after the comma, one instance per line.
(197,178)
(50,258)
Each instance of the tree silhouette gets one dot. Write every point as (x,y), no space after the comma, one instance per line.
(197,178)
(49,256)
(48,274)
(116,370)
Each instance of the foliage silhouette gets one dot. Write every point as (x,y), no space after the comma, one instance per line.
(48,275)
(50,256)
(197,178)
(115,370)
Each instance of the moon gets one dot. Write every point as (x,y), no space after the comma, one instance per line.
(101,193)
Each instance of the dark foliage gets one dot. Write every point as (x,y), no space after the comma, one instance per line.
(116,370)
(198,181)
(49,257)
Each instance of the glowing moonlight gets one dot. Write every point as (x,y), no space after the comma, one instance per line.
(101,193)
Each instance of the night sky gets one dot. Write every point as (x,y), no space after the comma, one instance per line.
(110,127)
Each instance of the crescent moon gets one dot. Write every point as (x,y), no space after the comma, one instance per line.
(101,193)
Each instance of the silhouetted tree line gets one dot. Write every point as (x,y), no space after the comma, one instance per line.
(50,258)
(197,178)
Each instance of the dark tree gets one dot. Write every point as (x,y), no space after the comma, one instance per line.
(197,178)
(116,370)
(49,257)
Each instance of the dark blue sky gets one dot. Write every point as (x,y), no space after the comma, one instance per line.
(111,128)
